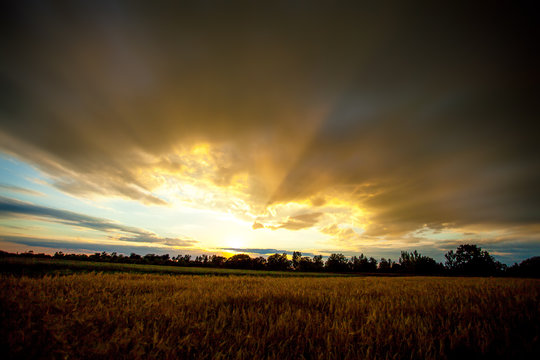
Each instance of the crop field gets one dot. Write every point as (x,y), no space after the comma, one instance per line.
(118,316)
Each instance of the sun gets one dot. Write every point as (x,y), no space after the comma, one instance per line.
(235,242)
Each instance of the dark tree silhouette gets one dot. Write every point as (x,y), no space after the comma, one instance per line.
(527,268)
(307,264)
(258,263)
(466,260)
(471,260)
(337,263)
(297,255)
(318,264)
(415,263)
(278,262)
(386,265)
(217,261)
(239,261)
(363,264)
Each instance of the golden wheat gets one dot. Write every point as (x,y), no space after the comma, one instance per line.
(167,317)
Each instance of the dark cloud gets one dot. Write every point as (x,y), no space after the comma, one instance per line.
(16,207)
(152,238)
(88,247)
(429,111)
(11,207)
(265,251)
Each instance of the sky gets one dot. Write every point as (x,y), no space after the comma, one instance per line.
(219,127)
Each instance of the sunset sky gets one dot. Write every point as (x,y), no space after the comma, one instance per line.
(225,127)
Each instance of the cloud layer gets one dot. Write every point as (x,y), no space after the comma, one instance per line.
(118,232)
(416,118)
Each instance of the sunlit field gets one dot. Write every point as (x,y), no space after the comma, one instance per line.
(162,316)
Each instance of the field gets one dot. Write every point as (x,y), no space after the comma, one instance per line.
(97,315)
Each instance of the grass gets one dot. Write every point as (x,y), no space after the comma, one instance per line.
(121,316)
(39,267)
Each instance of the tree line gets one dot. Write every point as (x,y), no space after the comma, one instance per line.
(465,260)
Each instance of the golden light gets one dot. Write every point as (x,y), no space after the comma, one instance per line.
(235,242)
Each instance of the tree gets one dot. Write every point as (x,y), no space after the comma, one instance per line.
(156,259)
(337,263)
(318,263)
(94,257)
(135,258)
(218,261)
(354,263)
(529,268)
(278,262)
(258,263)
(307,264)
(239,261)
(186,259)
(386,265)
(182,260)
(471,260)
(297,255)
(363,264)
(415,263)
(372,264)
(204,259)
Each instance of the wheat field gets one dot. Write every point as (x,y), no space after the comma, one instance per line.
(206,317)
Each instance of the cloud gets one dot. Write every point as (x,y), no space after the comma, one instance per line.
(152,238)
(393,111)
(15,207)
(265,251)
(256,225)
(342,234)
(18,189)
(297,222)
(85,247)
(10,207)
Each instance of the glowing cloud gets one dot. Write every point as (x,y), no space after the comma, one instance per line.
(363,124)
